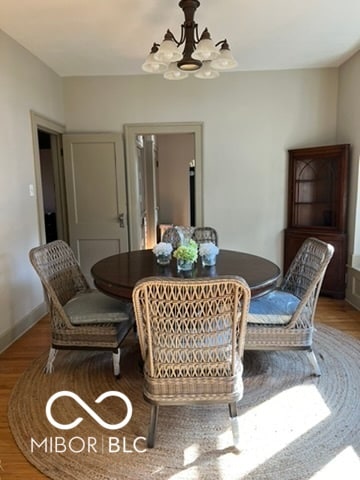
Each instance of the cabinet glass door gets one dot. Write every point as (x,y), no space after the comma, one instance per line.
(315,192)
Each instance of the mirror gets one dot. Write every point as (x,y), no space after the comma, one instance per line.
(164,179)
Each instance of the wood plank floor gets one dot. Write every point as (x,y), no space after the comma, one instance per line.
(335,313)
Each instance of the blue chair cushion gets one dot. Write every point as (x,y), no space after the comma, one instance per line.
(277,307)
(95,307)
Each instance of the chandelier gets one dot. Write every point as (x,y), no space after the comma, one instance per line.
(199,56)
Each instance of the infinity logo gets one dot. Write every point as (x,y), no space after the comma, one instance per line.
(90,411)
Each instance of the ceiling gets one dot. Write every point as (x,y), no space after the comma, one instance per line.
(113,37)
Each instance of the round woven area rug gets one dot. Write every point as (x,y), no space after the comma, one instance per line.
(293,426)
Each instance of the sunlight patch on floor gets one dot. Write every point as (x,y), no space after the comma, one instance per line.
(189,472)
(270,427)
(191,454)
(265,430)
(345,465)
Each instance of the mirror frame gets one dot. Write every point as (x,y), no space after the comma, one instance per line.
(130,133)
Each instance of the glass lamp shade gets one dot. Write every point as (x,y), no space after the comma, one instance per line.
(205,50)
(174,73)
(206,72)
(225,60)
(153,66)
(168,52)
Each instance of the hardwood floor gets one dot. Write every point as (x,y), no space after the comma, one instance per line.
(13,465)
(339,314)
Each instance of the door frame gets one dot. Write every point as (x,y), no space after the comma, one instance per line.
(130,133)
(56,130)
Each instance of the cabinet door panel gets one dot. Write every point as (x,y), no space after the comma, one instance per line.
(334,280)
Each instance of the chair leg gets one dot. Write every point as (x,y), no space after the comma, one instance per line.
(232,410)
(314,363)
(51,358)
(152,427)
(234,422)
(116,362)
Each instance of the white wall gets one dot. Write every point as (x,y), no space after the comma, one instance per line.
(25,84)
(348,131)
(250,120)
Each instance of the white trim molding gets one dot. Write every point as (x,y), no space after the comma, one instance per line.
(16,331)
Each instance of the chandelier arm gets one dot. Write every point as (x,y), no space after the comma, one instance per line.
(221,42)
(172,36)
(196,34)
(182,38)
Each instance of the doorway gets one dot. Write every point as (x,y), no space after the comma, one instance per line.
(50,187)
(192,213)
(166,183)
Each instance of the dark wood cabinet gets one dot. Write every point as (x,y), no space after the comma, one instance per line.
(317,207)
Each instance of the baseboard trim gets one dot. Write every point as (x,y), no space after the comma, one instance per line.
(353,287)
(12,334)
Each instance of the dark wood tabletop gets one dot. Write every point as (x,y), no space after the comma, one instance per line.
(118,274)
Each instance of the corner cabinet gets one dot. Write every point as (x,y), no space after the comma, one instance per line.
(317,207)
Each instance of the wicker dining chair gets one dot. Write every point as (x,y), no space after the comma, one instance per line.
(191,334)
(284,318)
(177,235)
(81,318)
(205,234)
(171,235)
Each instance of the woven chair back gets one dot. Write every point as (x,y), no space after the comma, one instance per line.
(191,327)
(205,234)
(177,235)
(308,267)
(59,271)
(171,235)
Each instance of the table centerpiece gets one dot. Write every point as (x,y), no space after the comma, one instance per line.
(208,252)
(186,255)
(162,251)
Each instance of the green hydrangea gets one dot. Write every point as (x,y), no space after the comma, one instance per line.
(188,252)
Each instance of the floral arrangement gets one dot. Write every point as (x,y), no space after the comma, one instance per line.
(187,252)
(162,248)
(208,249)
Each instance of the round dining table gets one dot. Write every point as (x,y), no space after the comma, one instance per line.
(117,275)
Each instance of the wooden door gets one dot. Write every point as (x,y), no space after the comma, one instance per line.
(96,196)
